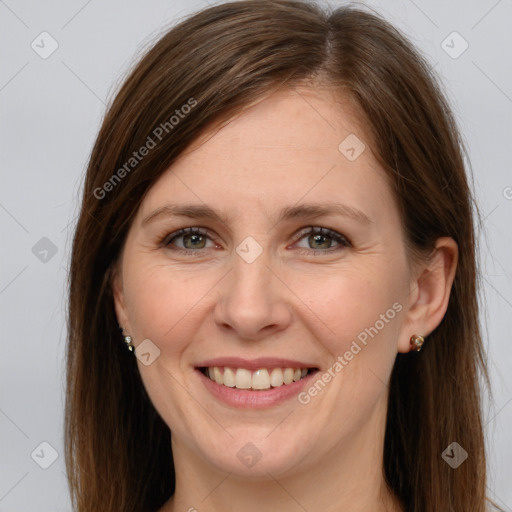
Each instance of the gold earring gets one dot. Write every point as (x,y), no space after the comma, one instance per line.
(417,342)
(128,341)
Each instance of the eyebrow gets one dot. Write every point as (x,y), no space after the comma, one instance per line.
(311,210)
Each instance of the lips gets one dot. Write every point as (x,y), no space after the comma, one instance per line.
(252,398)
(255,375)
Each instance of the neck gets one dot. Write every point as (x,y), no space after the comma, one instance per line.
(350,479)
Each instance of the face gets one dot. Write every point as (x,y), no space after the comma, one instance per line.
(301,273)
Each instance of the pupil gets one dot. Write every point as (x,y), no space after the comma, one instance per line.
(318,238)
(193,239)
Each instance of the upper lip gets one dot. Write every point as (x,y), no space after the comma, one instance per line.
(254,364)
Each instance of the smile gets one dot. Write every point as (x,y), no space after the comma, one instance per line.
(260,379)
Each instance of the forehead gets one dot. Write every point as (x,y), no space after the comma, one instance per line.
(292,144)
(314,119)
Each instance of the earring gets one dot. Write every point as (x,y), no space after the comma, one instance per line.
(128,341)
(417,342)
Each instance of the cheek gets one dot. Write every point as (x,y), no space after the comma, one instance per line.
(357,304)
(163,303)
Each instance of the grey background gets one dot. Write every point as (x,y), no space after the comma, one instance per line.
(50,113)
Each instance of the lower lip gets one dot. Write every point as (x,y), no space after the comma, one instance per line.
(246,398)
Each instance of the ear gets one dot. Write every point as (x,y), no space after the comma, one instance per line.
(430,293)
(116,282)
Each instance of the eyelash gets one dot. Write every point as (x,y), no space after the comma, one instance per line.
(310,230)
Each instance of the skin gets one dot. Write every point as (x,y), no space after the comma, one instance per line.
(289,302)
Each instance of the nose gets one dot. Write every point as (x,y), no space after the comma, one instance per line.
(253,302)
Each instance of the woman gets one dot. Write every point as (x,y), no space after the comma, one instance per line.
(273,284)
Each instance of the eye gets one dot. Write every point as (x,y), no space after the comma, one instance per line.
(320,240)
(192,239)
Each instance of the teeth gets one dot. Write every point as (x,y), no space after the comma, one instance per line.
(243,379)
(263,378)
(276,378)
(217,376)
(288,375)
(229,378)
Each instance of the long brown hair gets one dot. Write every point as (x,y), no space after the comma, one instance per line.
(118,449)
